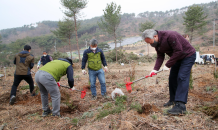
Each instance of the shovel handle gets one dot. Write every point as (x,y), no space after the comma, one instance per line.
(138,79)
(159,71)
(69,88)
(147,76)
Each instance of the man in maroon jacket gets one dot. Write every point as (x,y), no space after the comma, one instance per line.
(182,57)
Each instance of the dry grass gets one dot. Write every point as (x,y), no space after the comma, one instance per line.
(25,114)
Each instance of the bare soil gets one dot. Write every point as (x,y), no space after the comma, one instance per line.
(153,92)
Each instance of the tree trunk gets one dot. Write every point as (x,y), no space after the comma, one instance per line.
(115,41)
(191,36)
(70,50)
(120,45)
(77,38)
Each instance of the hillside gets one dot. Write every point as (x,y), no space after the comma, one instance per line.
(129,26)
(40,37)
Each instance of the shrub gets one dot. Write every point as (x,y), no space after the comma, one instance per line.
(75,121)
(75,60)
(36,59)
(154,117)
(103,114)
(107,105)
(58,55)
(142,51)
(121,56)
(216,74)
(146,58)
(132,56)
(87,114)
(137,107)
(24,87)
(208,88)
(120,101)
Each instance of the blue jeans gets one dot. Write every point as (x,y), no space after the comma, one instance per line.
(179,79)
(92,78)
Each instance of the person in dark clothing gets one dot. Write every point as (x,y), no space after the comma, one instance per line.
(24,62)
(205,59)
(47,78)
(216,61)
(182,57)
(44,59)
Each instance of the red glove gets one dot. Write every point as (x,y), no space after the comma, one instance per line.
(58,83)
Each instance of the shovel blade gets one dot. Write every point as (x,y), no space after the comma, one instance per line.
(83,93)
(128,87)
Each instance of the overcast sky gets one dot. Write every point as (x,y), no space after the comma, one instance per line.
(16,13)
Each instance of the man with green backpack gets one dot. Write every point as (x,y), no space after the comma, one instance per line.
(95,58)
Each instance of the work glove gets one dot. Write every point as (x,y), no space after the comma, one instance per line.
(105,69)
(73,88)
(155,71)
(165,68)
(84,72)
(37,66)
(58,83)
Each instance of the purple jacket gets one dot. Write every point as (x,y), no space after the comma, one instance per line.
(174,45)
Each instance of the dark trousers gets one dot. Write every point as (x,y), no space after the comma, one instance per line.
(18,79)
(179,79)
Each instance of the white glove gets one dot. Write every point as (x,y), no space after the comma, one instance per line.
(37,66)
(73,88)
(155,71)
(165,68)
(84,72)
(105,69)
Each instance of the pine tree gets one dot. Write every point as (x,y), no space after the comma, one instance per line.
(0,38)
(65,31)
(146,25)
(194,20)
(73,8)
(111,20)
(104,46)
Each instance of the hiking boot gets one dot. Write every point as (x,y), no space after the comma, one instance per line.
(55,115)
(169,103)
(94,97)
(12,100)
(46,113)
(179,108)
(33,94)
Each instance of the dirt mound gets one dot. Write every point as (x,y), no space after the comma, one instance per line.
(209,110)
(111,76)
(203,97)
(74,106)
(28,99)
(147,109)
(86,87)
(4,98)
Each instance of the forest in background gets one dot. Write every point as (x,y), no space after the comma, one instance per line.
(40,37)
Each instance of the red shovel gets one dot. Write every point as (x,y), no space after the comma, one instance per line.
(128,83)
(83,93)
